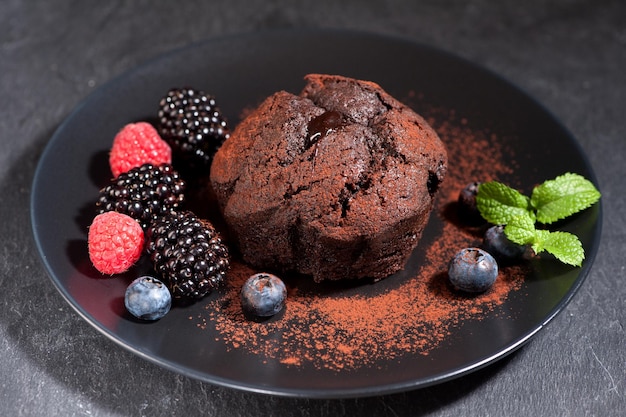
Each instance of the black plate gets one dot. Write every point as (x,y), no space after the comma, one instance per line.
(240,71)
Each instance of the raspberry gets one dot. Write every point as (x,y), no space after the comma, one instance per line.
(115,242)
(137,144)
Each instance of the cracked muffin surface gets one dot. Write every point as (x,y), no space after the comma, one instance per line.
(336,182)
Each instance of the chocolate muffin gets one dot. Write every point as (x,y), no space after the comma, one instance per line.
(337,182)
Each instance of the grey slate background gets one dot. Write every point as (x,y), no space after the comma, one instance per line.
(569,54)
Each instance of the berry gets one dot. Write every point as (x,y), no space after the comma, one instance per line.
(496,243)
(472,270)
(191,122)
(263,295)
(468,211)
(147,298)
(188,254)
(115,242)
(137,144)
(144,193)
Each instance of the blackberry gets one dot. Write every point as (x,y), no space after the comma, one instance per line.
(143,193)
(188,254)
(192,124)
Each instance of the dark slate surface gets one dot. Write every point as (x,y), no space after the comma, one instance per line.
(569,54)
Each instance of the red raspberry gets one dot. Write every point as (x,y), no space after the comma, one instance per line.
(115,242)
(137,144)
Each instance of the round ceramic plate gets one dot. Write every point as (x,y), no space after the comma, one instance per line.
(240,71)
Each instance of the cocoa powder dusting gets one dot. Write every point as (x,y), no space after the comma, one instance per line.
(346,326)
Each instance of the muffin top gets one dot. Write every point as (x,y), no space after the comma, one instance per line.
(341,161)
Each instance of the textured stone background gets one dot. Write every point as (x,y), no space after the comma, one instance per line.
(569,54)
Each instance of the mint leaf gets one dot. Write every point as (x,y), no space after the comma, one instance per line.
(565,246)
(521,230)
(563,196)
(498,203)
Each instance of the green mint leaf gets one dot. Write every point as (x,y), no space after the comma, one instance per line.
(563,196)
(498,203)
(521,230)
(565,246)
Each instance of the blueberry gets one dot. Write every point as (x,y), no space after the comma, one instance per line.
(468,212)
(263,295)
(472,270)
(147,298)
(496,243)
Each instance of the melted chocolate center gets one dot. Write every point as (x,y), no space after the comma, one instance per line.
(320,126)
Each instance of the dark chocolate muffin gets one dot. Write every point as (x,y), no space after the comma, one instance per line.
(337,182)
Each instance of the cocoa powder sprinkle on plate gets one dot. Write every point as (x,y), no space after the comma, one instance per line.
(339,327)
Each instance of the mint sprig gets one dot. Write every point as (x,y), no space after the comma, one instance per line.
(549,202)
